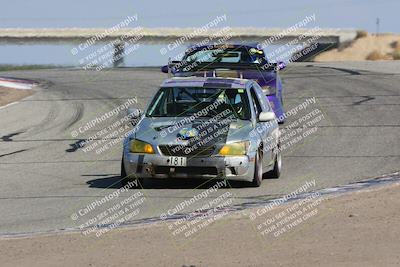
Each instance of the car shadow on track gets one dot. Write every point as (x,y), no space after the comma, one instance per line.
(114,181)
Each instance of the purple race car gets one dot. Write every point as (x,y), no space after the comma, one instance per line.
(236,61)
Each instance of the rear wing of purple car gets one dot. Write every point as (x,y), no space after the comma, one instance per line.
(253,71)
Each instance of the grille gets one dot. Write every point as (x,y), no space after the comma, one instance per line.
(186,151)
(187,170)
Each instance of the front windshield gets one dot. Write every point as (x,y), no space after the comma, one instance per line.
(226,55)
(203,102)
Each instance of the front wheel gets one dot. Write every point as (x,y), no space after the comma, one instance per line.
(276,171)
(125,179)
(258,170)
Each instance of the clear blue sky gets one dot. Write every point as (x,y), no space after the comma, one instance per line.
(359,14)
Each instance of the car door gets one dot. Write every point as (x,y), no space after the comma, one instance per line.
(267,129)
(257,108)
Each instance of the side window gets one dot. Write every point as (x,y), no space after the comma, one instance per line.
(157,107)
(262,98)
(256,102)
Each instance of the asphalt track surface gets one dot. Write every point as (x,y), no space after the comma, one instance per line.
(45,177)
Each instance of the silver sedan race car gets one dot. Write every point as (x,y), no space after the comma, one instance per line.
(205,128)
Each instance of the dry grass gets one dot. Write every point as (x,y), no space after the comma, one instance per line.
(362,48)
(395,45)
(375,55)
(396,55)
(361,34)
(8,95)
(396,50)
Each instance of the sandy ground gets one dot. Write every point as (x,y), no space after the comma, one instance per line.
(361,48)
(8,95)
(356,229)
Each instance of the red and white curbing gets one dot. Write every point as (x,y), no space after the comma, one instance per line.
(17,83)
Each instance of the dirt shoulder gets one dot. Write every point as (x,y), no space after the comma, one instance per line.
(9,95)
(356,229)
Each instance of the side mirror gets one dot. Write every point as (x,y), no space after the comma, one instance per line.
(164,69)
(266,116)
(134,114)
(281,65)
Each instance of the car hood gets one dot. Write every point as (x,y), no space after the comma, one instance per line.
(180,131)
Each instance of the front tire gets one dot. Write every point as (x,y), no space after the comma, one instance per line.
(276,171)
(125,179)
(258,170)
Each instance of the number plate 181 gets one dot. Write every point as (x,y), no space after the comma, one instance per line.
(176,161)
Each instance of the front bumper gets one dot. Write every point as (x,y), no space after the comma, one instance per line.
(239,168)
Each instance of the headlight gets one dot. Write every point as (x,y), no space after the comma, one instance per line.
(137,146)
(233,149)
(268,90)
